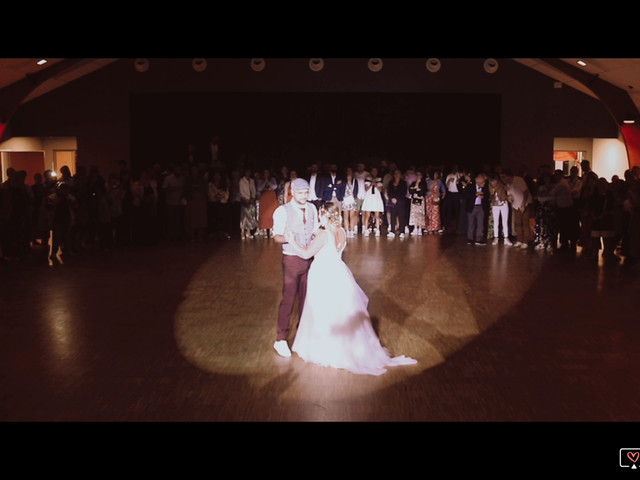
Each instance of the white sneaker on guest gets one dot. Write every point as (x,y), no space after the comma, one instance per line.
(282,348)
(391,234)
(507,242)
(495,241)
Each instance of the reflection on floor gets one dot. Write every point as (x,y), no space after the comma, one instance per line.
(185,333)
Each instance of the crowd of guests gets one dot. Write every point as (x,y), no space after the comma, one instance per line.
(197,202)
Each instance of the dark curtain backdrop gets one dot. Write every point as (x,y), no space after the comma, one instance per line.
(273,129)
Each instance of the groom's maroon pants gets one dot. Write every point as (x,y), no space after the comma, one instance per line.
(294,270)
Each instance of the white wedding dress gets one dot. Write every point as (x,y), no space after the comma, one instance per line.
(335,329)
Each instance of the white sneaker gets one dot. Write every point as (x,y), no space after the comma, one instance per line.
(391,235)
(366,232)
(516,244)
(282,348)
(401,235)
(524,245)
(495,241)
(377,232)
(507,242)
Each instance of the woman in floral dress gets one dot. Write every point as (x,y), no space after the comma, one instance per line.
(435,193)
(418,193)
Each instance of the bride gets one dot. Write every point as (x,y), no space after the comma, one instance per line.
(335,329)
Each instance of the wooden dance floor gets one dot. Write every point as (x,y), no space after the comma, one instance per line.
(184,333)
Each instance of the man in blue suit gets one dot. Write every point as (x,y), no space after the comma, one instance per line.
(315,179)
(476,195)
(331,186)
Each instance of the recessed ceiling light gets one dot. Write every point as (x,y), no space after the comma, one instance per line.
(581,63)
(42,62)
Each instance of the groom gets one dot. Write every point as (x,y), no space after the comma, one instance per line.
(300,217)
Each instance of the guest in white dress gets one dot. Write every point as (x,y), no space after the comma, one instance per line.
(373,203)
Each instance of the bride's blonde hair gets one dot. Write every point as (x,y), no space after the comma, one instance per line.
(332,212)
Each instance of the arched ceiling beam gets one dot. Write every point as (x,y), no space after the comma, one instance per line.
(616,99)
(13,95)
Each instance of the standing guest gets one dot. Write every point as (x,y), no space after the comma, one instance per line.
(519,198)
(589,187)
(66,176)
(143,211)
(267,201)
(435,193)
(575,182)
(396,204)
(38,194)
(282,180)
(126,182)
(195,196)
(373,204)
(235,199)
(565,211)
(6,238)
(499,210)
(248,218)
(546,225)
(43,226)
(620,221)
(104,229)
(332,187)
(62,205)
(297,218)
(409,178)
(602,225)
(630,243)
(387,177)
(361,175)
(218,196)
(173,186)
(81,188)
(451,202)
(477,196)
(20,216)
(417,212)
(115,198)
(314,179)
(585,166)
(349,203)
(464,180)
(293,174)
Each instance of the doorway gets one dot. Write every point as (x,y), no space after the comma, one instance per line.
(30,162)
(64,158)
(565,159)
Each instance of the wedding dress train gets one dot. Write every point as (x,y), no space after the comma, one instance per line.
(335,328)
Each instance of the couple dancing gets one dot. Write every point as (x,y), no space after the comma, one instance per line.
(334,329)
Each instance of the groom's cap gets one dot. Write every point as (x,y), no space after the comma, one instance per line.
(299,184)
